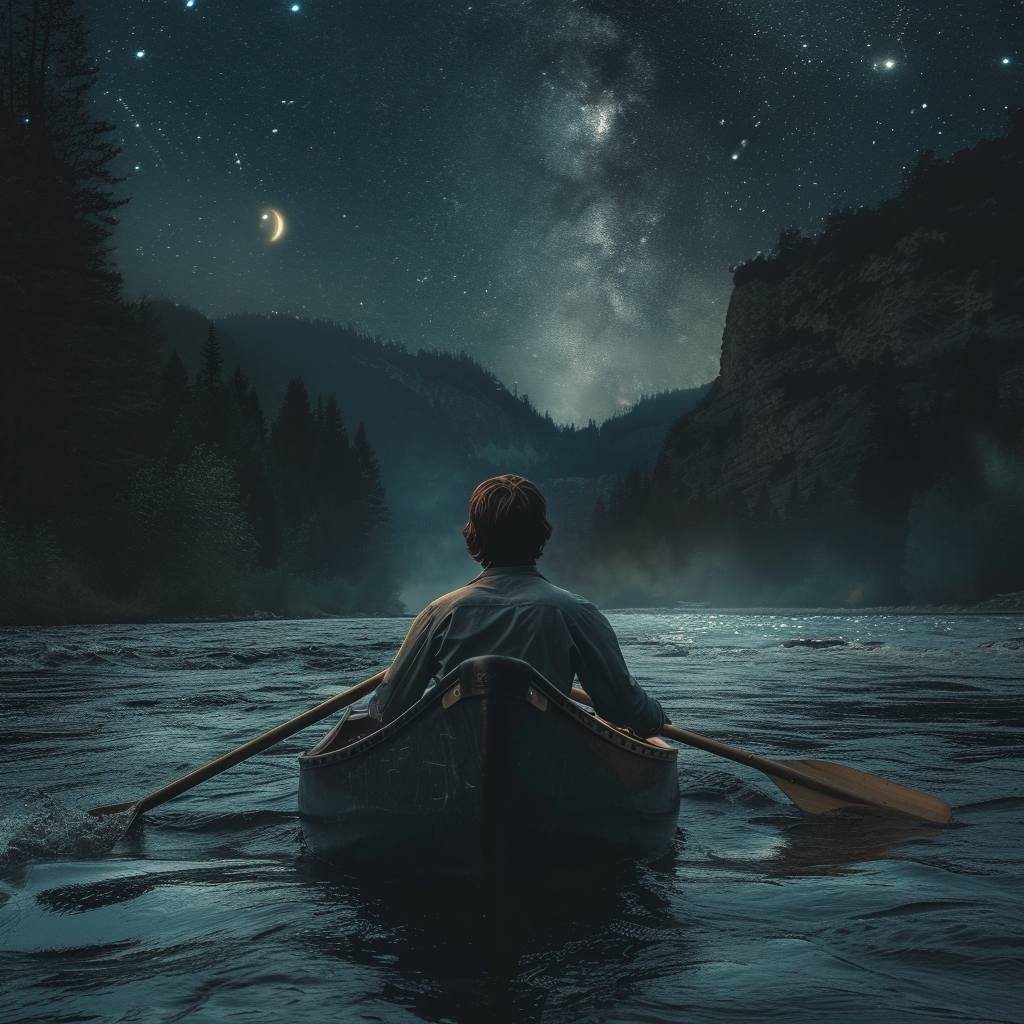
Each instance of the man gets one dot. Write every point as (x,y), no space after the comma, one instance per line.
(511,609)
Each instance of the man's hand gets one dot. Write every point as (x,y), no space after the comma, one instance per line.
(656,741)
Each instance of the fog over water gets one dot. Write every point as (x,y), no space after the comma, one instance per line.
(212,908)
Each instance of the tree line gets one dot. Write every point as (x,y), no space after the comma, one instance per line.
(127,489)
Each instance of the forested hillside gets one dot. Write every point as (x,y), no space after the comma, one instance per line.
(130,488)
(155,464)
(441,422)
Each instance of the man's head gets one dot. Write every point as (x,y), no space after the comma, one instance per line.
(507,522)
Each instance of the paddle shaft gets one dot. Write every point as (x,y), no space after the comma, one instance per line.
(246,750)
(762,764)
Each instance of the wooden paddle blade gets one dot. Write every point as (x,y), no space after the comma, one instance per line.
(849,787)
(820,786)
(811,800)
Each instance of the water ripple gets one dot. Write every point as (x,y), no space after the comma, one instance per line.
(209,908)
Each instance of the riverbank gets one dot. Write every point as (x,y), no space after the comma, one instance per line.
(303,599)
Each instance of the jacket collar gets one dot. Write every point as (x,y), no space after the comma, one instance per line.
(508,570)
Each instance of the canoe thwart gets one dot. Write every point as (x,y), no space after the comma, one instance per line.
(493,676)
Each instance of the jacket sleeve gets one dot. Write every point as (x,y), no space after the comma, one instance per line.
(410,672)
(601,669)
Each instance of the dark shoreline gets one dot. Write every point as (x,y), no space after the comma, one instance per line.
(992,607)
(1005,604)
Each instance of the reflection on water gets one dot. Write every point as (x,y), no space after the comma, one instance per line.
(211,908)
(831,845)
(517,954)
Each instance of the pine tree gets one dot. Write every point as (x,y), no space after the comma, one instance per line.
(213,362)
(337,491)
(246,448)
(56,156)
(75,359)
(294,432)
(376,559)
(373,495)
(175,388)
(293,443)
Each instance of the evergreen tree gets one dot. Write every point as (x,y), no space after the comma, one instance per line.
(372,490)
(175,389)
(246,447)
(166,496)
(175,420)
(56,156)
(376,560)
(294,432)
(293,443)
(213,402)
(213,362)
(76,361)
(336,492)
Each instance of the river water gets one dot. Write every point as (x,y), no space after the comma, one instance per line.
(211,910)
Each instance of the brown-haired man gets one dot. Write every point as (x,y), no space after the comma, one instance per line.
(511,609)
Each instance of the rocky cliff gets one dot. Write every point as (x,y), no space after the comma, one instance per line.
(873,379)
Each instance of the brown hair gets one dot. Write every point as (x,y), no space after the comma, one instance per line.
(507,522)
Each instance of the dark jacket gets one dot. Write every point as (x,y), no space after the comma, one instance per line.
(515,611)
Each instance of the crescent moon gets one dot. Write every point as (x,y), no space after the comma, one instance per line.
(279,223)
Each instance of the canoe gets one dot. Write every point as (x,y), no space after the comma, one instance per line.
(494,769)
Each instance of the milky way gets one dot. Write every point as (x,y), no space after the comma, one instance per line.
(556,187)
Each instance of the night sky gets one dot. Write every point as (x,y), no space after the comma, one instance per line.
(556,187)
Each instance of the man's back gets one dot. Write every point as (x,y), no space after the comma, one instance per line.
(515,611)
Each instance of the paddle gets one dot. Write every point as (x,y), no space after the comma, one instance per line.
(820,786)
(246,750)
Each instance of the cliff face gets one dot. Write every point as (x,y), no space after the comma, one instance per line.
(865,369)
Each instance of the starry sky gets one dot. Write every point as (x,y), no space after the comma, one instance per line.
(557,187)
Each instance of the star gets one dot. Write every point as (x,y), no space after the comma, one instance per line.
(589,131)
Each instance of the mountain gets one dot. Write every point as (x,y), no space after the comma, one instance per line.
(864,442)
(439,423)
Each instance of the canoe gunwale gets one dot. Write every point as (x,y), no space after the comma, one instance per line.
(491,772)
(494,676)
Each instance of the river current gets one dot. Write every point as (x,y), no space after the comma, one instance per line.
(210,909)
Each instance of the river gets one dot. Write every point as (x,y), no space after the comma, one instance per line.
(210,909)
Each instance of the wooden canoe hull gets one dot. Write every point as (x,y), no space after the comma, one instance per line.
(495,769)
